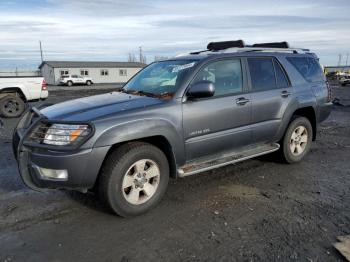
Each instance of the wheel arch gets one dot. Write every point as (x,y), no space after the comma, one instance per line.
(158,141)
(309,113)
(13,90)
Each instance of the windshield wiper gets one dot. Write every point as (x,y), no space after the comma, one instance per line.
(138,92)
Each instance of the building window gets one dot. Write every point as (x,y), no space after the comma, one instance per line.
(64,72)
(122,72)
(84,72)
(104,72)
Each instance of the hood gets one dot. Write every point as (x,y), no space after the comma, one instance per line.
(94,107)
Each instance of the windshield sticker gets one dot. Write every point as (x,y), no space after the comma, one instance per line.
(182,67)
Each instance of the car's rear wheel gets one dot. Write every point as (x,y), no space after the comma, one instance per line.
(297,140)
(133,179)
(88,83)
(11,106)
(69,83)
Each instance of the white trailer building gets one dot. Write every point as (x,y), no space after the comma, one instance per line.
(100,72)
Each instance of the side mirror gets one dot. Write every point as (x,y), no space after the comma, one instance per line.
(201,89)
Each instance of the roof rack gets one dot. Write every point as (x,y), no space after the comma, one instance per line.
(239,46)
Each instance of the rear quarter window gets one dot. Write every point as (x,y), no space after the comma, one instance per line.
(308,67)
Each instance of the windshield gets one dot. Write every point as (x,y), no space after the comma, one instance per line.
(160,79)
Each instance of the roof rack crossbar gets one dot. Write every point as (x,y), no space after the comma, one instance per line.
(283,44)
(216,46)
(239,46)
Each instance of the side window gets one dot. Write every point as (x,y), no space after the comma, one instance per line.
(281,78)
(308,67)
(225,74)
(262,74)
(104,72)
(64,72)
(122,72)
(84,72)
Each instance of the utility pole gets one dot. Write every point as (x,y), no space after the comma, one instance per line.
(41,52)
(141,56)
(347,58)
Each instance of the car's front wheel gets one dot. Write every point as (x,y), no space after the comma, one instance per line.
(88,83)
(297,140)
(133,179)
(69,83)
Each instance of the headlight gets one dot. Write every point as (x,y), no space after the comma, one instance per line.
(62,134)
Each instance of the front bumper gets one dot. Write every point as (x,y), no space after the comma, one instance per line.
(82,165)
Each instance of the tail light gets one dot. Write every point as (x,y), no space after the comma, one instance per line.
(329,92)
(43,85)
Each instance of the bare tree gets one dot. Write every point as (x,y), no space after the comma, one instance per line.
(131,57)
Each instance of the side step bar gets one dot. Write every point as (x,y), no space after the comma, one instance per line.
(227,159)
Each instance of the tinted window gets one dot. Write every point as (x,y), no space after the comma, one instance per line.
(281,78)
(262,73)
(226,76)
(308,67)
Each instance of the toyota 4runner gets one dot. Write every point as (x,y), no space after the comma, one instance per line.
(176,118)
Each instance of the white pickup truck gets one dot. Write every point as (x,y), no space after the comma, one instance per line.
(16,91)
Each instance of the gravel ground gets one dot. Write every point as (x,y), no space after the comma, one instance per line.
(257,210)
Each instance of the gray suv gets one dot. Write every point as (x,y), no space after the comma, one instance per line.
(176,118)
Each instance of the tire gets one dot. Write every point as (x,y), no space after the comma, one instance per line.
(298,136)
(121,188)
(69,83)
(343,84)
(12,106)
(88,83)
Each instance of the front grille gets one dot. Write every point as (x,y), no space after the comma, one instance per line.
(37,135)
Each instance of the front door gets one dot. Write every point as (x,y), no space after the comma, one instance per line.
(219,123)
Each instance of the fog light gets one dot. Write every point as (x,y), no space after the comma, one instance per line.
(52,174)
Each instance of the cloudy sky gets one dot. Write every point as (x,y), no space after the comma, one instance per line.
(109,29)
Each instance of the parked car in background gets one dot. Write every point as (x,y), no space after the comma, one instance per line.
(344,80)
(70,80)
(16,91)
(175,118)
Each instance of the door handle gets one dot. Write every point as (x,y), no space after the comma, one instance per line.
(242,101)
(285,93)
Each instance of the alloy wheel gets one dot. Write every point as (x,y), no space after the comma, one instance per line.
(141,181)
(298,140)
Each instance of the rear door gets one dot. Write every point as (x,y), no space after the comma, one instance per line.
(219,123)
(270,94)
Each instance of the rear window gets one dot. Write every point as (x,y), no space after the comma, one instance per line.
(308,67)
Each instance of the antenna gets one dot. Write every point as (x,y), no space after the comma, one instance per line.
(41,52)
